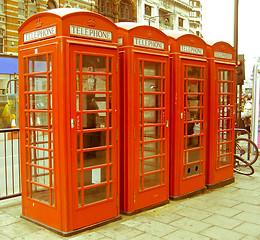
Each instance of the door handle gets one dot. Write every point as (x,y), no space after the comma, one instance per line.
(167,123)
(72,123)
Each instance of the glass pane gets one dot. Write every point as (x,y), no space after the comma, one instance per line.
(38,101)
(152,133)
(95,194)
(94,176)
(152,69)
(152,85)
(193,169)
(223,161)
(94,64)
(225,136)
(94,102)
(194,72)
(151,117)
(94,83)
(94,120)
(224,87)
(152,180)
(24,65)
(38,83)
(151,149)
(50,82)
(40,193)
(40,175)
(94,139)
(152,101)
(193,156)
(37,64)
(194,114)
(40,157)
(225,112)
(224,124)
(110,64)
(194,86)
(152,164)
(193,142)
(49,62)
(39,139)
(39,120)
(94,158)
(193,101)
(77,62)
(225,75)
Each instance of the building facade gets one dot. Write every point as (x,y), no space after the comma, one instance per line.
(181,15)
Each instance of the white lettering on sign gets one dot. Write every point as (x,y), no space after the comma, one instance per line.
(89,32)
(42,33)
(192,50)
(148,43)
(222,55)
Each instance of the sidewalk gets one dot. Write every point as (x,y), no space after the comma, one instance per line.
(231,212)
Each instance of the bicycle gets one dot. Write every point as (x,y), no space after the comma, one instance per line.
(246,153)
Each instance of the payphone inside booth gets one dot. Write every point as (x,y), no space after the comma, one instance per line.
(69,119)
(144,57)
(188,79)
(221,115)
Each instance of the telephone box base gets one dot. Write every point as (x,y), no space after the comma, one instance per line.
(76,231)
(221,184)
(145,209)
(188,195)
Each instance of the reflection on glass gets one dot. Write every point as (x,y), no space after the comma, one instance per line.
(152,180)
(93,83)
(223,160)
(224,112)
(194,114)
(194,72)
(38,83)
(193,101)
(194,86)
(151,85)
(37,64)
(50,82)
(225,75)
(224,87)
(40,157)
(38,101)
(95,194)
(224,99)
(78,63)
(94,102)
(152,164)
(93,120)
(152,133)
(49,62)
(152,117)
(193,142)
(94,158)
(40,120)
(224,124)
(94,139)
(152,101)
(94,63)
(152,69)
(152,149)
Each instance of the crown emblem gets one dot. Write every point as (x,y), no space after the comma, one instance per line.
(91,22)
(38,23)
(149,34)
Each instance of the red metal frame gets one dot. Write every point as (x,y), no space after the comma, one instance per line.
(221,115)
(189,79)
(69,163)
(144,118)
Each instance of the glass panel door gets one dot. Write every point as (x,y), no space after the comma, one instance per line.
(152,124)
(95,128)
(225,117)
(194,78)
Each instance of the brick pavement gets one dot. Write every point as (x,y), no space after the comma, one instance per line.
(231,212)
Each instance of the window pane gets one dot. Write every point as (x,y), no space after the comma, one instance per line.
(152,69)
(194,72)
(152,180)
(37,64)
(152,85)
(95,194)
(94,63)
(94,139)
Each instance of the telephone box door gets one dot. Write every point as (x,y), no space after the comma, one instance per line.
(94,129)
(225,120)
(194,126)
(151,166)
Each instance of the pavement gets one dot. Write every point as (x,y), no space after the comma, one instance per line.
(230,212)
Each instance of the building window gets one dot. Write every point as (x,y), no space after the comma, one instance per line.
(1,44)
(181,22)
(21,8)
(2,6)
(51,4)
(32,8)
(125,11)
(147,10)
(106,7)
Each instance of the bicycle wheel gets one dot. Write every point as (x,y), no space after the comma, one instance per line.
(242,167)
(246,149)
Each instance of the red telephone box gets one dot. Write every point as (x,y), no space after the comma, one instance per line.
(69,119)
(188,79)
(144,57)
(221,115)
